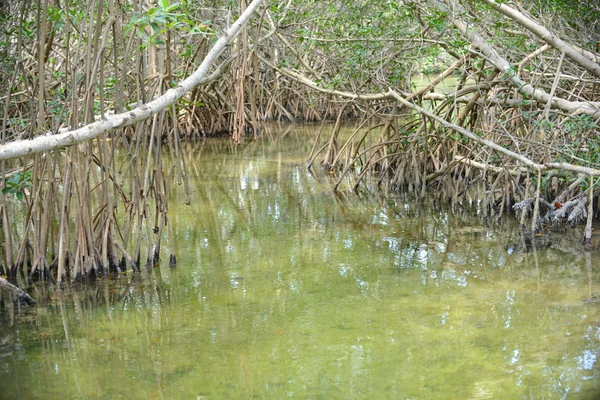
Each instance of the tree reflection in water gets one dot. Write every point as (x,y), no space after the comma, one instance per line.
(284,289)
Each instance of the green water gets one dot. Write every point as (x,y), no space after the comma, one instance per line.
(283,290)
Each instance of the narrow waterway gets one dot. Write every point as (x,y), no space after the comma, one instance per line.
(285,290)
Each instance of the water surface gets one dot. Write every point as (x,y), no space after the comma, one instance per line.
(285,290)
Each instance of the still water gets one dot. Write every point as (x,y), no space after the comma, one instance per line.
(284,290)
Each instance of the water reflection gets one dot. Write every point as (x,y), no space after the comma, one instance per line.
(285,289)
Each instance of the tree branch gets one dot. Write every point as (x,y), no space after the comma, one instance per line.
(509,73)
(580,57)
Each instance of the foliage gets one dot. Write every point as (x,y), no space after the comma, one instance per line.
(151,24)
(17,183)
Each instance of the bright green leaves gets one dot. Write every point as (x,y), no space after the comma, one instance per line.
(17,183)
(55,16)
(437,20)
(151,24)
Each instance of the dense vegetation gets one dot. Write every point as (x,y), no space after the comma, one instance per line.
(519,129)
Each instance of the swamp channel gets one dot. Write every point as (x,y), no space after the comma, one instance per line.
(286,290)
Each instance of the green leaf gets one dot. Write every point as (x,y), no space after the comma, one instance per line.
(160,18)
(173,7)
(155,27)
(141,34)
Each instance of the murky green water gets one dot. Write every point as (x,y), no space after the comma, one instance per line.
(284,290)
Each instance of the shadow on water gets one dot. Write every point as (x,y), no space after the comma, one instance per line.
(285,289)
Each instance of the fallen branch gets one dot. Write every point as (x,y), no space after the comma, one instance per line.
(21,295)
(487,167)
